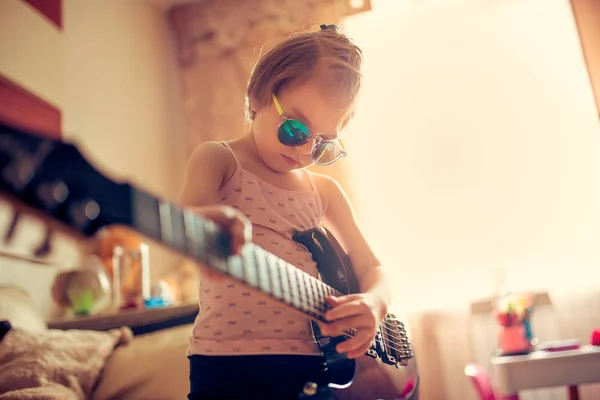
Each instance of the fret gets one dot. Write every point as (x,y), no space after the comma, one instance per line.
(310,298)
(319,289)
(263,267)
(301,289)
(326,290)
(166,230)
(292,281)
(177,228)
(189,227)
(199,239)
(285,283)
(236,266)
(145,214)
(331,291)
(319,299)
(319,303)
(263,274)
(214,259)
(276,280)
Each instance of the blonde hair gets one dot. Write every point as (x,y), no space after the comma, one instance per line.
(324,54)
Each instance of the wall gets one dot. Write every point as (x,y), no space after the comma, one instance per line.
(476,149)
(111,71)
(121,98)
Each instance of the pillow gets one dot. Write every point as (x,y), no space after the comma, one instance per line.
(153,366)
(17,307)
(55,363)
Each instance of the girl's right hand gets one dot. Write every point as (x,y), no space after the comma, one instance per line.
(234,223)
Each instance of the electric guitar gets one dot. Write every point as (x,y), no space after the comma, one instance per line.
(53,180)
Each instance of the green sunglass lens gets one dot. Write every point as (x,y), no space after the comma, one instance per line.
(293,133)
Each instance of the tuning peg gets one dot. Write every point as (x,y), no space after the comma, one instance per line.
(52,194)
(45,246)
(12,228)
(83,213)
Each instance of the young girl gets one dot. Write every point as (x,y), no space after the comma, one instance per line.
(300,95)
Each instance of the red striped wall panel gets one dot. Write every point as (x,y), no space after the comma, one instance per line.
(21,108)
(51,9)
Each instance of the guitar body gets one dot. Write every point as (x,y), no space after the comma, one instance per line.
(367,377)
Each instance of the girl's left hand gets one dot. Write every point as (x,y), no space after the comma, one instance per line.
(362,312)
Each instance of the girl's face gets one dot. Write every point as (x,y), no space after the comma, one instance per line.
(307,102)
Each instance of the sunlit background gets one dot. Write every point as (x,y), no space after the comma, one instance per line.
(476,147)
(474,156)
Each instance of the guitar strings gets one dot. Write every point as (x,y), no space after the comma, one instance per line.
(384,339)
(390,341)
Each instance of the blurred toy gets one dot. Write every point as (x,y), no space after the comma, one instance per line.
(84,290)
(595,339)
(513,313)
(161,295)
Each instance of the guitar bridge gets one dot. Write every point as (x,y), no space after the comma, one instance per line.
(372,353)
(392,342)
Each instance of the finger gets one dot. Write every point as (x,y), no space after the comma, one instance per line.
(241,233)
(360,350)
(237,226)
(357,345)
(340,326)
(224,216)
(335,300)
(345,310)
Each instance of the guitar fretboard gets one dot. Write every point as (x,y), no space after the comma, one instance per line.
(203,241)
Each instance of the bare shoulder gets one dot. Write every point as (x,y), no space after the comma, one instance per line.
(329,189)
(213,155)
(209,166)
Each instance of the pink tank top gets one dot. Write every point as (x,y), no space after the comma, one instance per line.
(233,320)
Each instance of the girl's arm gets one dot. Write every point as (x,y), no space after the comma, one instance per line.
(362,311)
(209,166)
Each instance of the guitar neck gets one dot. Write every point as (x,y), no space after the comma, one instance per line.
(56,180)
(202,240)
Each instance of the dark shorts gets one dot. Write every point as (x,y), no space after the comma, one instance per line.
(267,377)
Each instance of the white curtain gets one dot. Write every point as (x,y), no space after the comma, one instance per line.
(475,158)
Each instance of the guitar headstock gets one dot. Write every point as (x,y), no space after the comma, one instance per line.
(54,180)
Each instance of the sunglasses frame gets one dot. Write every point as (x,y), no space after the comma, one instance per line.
(318,140)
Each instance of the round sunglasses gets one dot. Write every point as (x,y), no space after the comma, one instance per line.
(293,133)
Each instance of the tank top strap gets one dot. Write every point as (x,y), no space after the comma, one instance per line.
(238,165)
(311,180)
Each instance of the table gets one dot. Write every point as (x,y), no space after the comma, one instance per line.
(542,369)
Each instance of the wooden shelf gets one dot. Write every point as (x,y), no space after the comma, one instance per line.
(139,320)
